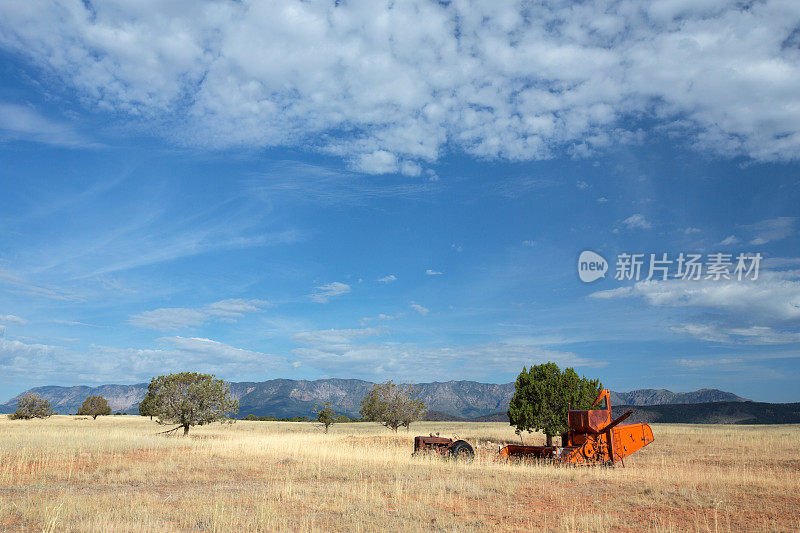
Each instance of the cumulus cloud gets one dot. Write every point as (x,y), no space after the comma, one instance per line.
(323,293)
(167,318)
(391,86)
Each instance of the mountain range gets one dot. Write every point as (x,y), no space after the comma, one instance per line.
(286,398)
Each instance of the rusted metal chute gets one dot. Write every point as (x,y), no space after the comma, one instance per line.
(592,438)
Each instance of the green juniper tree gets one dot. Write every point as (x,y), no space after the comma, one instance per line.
(543,396)
(325,415)
(147,405)
(191,399)
(94,406)
(393,405)
(30,406)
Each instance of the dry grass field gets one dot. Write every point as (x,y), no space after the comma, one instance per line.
(117,474)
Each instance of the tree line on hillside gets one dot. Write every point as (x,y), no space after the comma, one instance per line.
(542,396)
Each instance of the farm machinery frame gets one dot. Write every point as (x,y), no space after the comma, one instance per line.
(593,437)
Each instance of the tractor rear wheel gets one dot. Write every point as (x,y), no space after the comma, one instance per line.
(462,449)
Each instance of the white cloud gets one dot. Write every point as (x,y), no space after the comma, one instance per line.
(378,162)
(529,243)
(12,319)
(167,318)
(691,230)
(637,221)
(582,185)
(334,336)
(391,86)
(773,298)
(602,200)
(26,124)
(757,335)
(104,364)
(420,309)
(730,239)
(773,229)
(387,279)
(430,272)
(323,293)
(196,351)
(457,247)
(413,362)
(381,316)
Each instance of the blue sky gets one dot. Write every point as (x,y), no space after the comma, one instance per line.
(308,190)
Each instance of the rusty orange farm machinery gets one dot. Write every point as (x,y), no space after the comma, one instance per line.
(457,449)
(593,438)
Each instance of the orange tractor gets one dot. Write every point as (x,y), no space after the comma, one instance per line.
(592,438)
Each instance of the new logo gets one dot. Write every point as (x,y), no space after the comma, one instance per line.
(591,266)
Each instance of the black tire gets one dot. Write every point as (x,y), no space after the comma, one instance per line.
(462,450)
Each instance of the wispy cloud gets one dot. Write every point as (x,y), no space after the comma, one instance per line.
(168,318)
(334,336)
(430,272)
(323,293)
(756,335)
(387,279)
(304,182)
(414,362)
(420,309)
(13,319)
(771,230)
(773,298)
(636,221)
(24,123)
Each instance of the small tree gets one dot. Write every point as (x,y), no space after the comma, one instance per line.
(543,396)
(326,415)
(30,406)
(94,406)
(147,405)
(392,405)
(192,399)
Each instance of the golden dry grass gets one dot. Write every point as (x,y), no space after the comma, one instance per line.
(117,474)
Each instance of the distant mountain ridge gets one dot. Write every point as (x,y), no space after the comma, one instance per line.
(288,397)
(665,397)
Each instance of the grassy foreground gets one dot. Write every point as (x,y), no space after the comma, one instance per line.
(118,474)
